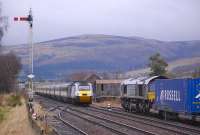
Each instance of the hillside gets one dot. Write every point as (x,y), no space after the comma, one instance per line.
(100,53)
(179,68)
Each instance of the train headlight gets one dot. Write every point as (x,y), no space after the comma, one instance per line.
(89,93)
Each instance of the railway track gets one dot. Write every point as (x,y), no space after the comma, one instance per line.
(117,127)
(57,122)
(77,130)
(61,126)
(116,121)
(110,125)
(170,126)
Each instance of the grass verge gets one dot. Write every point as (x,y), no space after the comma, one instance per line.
(14,100)
(7,102)
(3,112)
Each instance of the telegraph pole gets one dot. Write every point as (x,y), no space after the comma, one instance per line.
(30,75)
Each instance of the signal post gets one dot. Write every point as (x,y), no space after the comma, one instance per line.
(29,19)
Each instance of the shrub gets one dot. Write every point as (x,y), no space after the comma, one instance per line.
(1,100)
(14,100)
(3,112)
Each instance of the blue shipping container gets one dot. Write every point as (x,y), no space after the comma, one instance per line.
(178,95)
(194,101)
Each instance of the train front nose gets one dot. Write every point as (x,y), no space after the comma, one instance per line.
(85,97)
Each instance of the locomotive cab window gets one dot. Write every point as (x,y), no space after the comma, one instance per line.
(84,88)
(140,88)
(125,89)
(102,87)
(131,90)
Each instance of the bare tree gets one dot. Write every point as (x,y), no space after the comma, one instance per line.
(9,63)
(9,70)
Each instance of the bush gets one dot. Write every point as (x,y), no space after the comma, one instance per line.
(3,112)
(1,100)
(14,100)
(157,65)
(9,69)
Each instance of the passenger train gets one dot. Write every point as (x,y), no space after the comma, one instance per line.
(74,92)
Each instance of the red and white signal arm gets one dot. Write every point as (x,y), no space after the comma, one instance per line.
(29,19)
(20,18)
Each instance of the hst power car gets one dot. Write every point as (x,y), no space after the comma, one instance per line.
(75,92)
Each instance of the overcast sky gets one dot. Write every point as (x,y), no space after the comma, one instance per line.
(158,19)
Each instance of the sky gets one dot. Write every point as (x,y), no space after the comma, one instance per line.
(168,20)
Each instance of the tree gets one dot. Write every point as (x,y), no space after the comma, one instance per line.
(196,73)
(157,65)
(9,70)
(10,64)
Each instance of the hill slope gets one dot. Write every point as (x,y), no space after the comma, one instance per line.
(101,53)
(179,68)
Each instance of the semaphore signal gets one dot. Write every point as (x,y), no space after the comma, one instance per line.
(29,19)
(20,18)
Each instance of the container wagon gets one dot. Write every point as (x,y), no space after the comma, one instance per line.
(177,96)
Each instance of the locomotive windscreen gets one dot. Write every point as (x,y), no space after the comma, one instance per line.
(82,88)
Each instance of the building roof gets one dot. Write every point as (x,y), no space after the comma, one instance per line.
(84,76)
(142,80)
(91,77)
(109,81)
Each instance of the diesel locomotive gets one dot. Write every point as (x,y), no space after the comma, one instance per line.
(138,94)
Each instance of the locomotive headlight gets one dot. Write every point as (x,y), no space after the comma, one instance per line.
(89,93)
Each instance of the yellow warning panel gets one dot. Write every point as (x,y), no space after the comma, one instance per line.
(85,99)
(151,95)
